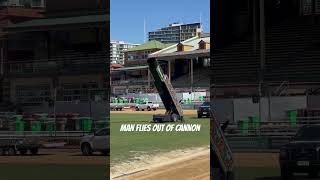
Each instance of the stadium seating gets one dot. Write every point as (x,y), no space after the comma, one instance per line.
(200,79)
(292,54)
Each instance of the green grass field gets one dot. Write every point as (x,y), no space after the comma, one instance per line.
(127,145)
(52,172)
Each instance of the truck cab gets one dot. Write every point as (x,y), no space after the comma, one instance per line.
(147,106)
(302,153)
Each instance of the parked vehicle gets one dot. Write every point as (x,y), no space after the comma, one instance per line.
(147,106)
(10,146)
(204,110)
(301,155)
(97,141)
(116,107)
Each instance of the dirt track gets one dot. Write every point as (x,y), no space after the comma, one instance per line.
(256,160)
(198,167)
(193,168)
(56,157)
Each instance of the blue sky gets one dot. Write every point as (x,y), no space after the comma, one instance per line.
(127,16)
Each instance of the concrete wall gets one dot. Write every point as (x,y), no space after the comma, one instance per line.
(222,107)
(242,108)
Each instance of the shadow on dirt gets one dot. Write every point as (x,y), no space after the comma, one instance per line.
(102,155)
(195,117)
(26,155)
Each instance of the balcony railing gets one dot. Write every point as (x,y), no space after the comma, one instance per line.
(130,82)
(60,65)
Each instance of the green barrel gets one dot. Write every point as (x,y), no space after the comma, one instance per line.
(201,99)
(18,117)
(36,126)
(87,123)
(244,126)
(19,126)
(50,126)
(255,122)
(293,118)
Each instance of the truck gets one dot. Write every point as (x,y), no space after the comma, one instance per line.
(167,94)
(11,146)
(147,106)
(221,154)
(116,107)
(301,154)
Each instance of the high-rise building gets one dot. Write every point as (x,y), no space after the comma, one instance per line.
(175,32)
(117,49)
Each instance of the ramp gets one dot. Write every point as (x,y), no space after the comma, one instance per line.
(165,89)
(222,160)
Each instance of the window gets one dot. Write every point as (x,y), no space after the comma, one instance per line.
(36,3)
(103,132)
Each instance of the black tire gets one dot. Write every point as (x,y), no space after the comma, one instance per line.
(86,149)
(23,151)
(105,153)
(148,108)
(174,117)
(3,152)
(137,109)
(286,174)
(142,109)
(154,109)
(12,151)
(228,176)
(34,151)
(313,174)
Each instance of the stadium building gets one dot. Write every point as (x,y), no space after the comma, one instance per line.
(61,57)
(185,63)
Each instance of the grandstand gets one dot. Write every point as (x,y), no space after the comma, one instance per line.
(186,64)
(266,70)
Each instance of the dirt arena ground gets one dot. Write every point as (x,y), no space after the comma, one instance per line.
(55,156)
(194,166)
(198,167)
(256,160)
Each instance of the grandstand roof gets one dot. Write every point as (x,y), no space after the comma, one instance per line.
(192,42)
(49,23)
(131,68)
(149,45)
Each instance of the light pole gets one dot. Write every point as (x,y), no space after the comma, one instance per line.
(262,53)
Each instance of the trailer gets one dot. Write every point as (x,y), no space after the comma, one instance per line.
(11,146)
(221,154)
(167,94)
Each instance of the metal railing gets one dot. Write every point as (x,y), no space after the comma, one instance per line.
(23,134)
(91,62)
